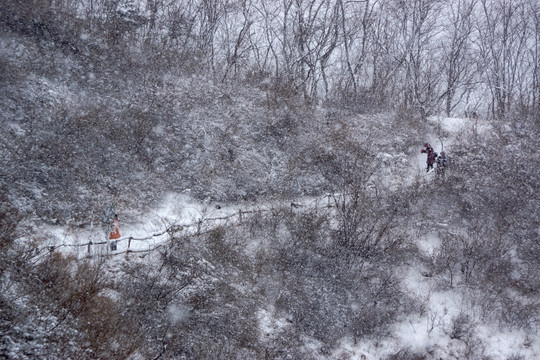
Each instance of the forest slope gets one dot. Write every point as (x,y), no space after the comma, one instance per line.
(85,125)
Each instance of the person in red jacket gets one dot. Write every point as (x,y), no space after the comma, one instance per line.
(431,156)
(115,233)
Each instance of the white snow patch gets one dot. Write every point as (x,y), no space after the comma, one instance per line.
(110,293)
(16,129)
(178,312)
(452,125)
(269,325)
(429,243)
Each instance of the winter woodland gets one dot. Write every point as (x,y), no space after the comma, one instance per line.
(264,161)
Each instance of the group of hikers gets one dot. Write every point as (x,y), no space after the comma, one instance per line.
(433,157)
(113,225)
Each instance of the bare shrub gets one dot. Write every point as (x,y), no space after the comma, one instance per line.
(460,326)
(474,347)
(515,357)
(365,225)
(407,354)
(448,258)
(9,218)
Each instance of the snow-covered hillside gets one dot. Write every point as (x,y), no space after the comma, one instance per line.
(263,159)
(446,323)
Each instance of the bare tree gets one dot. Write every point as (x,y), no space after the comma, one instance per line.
(209,13)
(235,52)
(405,51)
(387,57)
(457,61)
(536,55)
(418,25)
(502,45)
(357,30)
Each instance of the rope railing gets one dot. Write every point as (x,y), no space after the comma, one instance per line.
(240,214)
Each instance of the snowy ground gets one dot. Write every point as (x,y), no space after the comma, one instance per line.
(180,211)
(177,213)
(432,331)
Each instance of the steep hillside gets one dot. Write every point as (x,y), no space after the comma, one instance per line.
(289,226)
(81,134)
